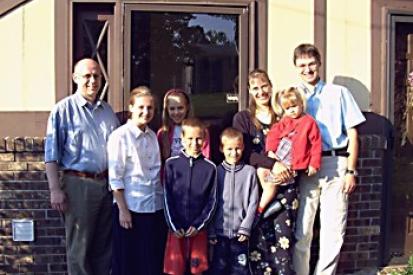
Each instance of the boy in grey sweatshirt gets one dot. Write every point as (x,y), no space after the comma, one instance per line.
(237,200)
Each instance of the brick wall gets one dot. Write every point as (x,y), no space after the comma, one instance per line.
(362,242)
(24,194)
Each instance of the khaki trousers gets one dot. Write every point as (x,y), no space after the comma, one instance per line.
(323,190)
(88,224)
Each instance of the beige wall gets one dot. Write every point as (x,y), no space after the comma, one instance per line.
(289,24)
(348,59)
(27,58)
(348,42)
(27,67)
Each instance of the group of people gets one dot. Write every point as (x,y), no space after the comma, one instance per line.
(139,202)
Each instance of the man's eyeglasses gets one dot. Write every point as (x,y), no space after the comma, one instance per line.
(311,66)
(89,76)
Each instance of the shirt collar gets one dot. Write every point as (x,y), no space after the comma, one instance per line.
(188,156)
(317,88)
(231,167)
(81,101)
(135,130)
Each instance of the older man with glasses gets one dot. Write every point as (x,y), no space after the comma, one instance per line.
(77,131)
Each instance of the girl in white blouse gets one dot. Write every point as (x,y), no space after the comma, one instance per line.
(139,229)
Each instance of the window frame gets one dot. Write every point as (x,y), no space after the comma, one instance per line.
(243,43)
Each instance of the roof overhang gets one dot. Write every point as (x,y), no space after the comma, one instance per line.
(8,5)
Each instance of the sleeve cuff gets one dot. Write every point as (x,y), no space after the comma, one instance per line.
(244,231)
(116,184)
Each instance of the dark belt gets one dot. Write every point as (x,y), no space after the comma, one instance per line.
(100,176)
(335,153)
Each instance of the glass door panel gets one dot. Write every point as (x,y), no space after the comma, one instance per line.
(193,51)
(194,48)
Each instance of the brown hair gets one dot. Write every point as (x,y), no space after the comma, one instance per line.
(231,133)
(306,49)
(252,107)
(193,122)
(291,95)
(138,92)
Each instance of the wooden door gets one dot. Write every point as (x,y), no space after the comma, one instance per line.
(401,211)
(407,140)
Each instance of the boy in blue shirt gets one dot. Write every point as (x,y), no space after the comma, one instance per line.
(190,198)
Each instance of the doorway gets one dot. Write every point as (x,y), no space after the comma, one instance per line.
(400,238)
(206,48)
(202,50)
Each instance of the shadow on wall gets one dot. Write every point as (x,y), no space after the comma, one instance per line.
(360,92)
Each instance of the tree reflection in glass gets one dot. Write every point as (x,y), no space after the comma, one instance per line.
(193,51)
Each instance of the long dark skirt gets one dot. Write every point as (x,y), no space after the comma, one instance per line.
(272,240)
(139,250)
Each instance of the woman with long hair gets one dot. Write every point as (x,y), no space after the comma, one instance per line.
(271,241)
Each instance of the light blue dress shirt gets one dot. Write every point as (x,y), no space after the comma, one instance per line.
(335,110)
(135,165)
(77,132)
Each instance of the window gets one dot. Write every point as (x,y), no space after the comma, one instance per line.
(193,51)
(91,32)
(201,49)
